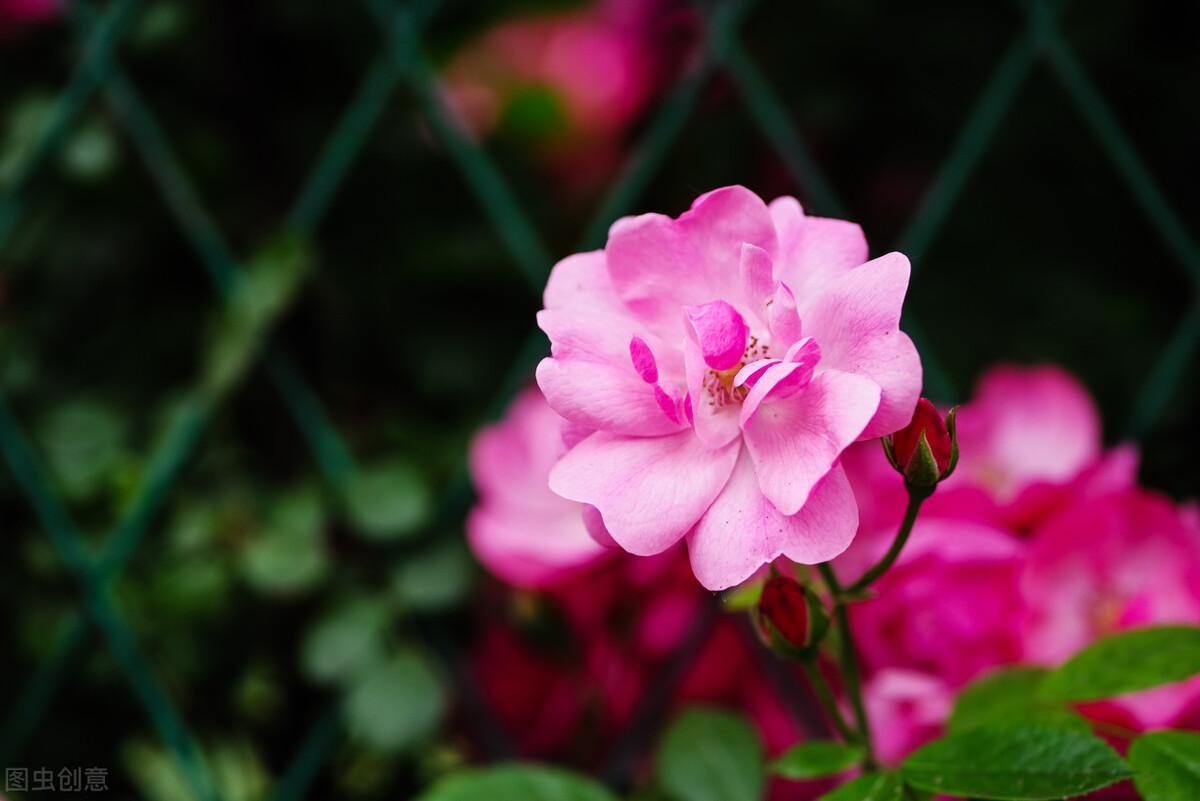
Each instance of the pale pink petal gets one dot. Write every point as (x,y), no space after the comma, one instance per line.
(593,521)
(813,250)
(649,490)
(742,531)
(753,371)
(856,319)
(602,397)
(783,320)
(715,423)
(659,265)
(777,382)
(758,278)
(795,442)
(531,549)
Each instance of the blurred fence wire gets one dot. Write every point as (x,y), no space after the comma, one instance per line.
(246,327)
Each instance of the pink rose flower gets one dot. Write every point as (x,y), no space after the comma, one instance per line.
(520,530)
(725,360)
(1124,560)
(1030,440)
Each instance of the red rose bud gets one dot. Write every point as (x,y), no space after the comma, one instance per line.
(783,613)
(926,450)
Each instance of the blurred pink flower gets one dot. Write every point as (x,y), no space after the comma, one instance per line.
(725,360)
(565,668)
(1124,560)
(949,606)
(1037,545)
(1030,439)
(18,14)
(571,82)
(907,709)
(520,530)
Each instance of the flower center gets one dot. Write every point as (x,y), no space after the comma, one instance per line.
(718,384)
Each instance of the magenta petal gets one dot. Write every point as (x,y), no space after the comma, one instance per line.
(742,530)
(649,490)
(813,250)
(796,441)
(669,406)
(602,396)
(720,331)
(643,360)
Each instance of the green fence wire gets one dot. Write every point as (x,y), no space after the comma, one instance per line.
(402,62)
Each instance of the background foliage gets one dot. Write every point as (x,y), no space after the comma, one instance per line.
(269,587)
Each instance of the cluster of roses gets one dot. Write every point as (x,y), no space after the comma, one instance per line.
(723,378)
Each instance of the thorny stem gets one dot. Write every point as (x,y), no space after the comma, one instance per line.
(825,696)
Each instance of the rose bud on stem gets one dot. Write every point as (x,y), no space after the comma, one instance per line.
(792,622)
(926,450)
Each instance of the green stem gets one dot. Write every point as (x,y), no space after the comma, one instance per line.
(848,660)
(916,496)
(825,696)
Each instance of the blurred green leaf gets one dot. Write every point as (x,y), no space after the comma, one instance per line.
(873,787)
(435,578)
(1010,695)
(346,641)
(1015,762)
(1127,662)
(395,703)
(1166,765)
(816,758)
(711,755)
(25,124)
(388,501)
(287,555)
(90,153)
(84,442)
(516,783)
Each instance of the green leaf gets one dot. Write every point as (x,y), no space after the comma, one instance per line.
(709,755)
(287,554)
(1127,662)
(346,641)
(516,783)
(1010,695)
(873,787)
(435,578)
(1166,766)
(1015,762)
(396,703)
(816,758)
(85,444)
(388,501)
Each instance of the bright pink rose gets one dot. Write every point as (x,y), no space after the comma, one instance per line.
(1030,440)
(949,606)
(520,530)
(725,360)
(1120,561)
